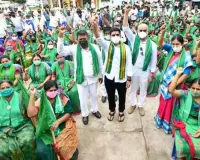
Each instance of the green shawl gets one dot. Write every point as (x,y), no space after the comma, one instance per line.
(181,61)
(42,73)
(79,61)
(62,75)
(11,70)
(148,52)
(186,105)
(111,52)
(46,118)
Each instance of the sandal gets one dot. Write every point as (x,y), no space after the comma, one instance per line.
(121,117)
(111,116)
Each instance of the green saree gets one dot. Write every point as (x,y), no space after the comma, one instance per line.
(51,54)
(16,130)
(65,77)
(187,111)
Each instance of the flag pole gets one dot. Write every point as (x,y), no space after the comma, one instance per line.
(42,6)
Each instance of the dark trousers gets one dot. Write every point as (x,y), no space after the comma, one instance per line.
(111,86)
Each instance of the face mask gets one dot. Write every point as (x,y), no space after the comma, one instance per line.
(142,35)
(50,46)
(6,92)
(14,38)
(37,63)
(84,44)
(61,61)
(115,39)
(52,95)
(9,48)
(190,45)
(6,65)
(195,94)
(177,49)
(192,24)
(107,37)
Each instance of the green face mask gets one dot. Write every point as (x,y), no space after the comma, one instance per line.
(37,63)
(6,65)
(195,94)
(190,45)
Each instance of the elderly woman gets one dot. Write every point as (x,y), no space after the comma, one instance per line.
(16,129)
(186,122)
(52,112)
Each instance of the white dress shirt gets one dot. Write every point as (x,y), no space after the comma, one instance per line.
(115,70)
(17,22)
(140,59)
(87,60)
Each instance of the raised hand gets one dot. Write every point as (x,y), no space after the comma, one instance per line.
(62,30)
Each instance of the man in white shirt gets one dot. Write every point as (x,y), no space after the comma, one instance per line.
(18,23)
(117,69)
(3,26)
(144,54)
(88,68)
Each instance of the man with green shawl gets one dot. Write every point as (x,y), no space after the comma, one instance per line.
(63,73)
(88,68)
(144,60)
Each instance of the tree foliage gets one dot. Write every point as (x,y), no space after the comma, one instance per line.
(18,1)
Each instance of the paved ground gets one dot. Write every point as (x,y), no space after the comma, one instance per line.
(135,139)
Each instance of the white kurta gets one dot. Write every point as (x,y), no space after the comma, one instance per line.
(89,86)
(140,77)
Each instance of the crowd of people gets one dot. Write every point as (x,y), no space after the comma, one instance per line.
(52,61)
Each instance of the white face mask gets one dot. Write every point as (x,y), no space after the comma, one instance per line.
(115,39)
(14,38)
(177,49)
(107,37)
(50,46)
(142,35)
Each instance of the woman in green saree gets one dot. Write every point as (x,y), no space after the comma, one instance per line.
(62,72)
(186,119)
(49,52)
(17,138)
(53,116)
(31,46)
(39,72)
(8,71)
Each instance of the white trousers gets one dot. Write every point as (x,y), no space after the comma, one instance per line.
(138,81)
(103,89)
(84,91)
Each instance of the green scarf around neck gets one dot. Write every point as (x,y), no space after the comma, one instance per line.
(46,118)
(148,52)
(79,61)
(181,61)
(111,52)
(11,70)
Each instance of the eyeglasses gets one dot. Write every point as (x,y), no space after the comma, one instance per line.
(141,51)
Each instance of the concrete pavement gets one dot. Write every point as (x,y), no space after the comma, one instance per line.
(136,138)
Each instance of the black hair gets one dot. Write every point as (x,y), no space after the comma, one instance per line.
(7,81)
(196,81)
(82,33)
(58,55)
(4,56)
(106,29)
(114,29)
(36,55)
(50,83)
(179,38)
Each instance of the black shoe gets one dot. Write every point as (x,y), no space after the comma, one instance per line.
(116,98)
(85,120)
(103,99)
(97,114)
